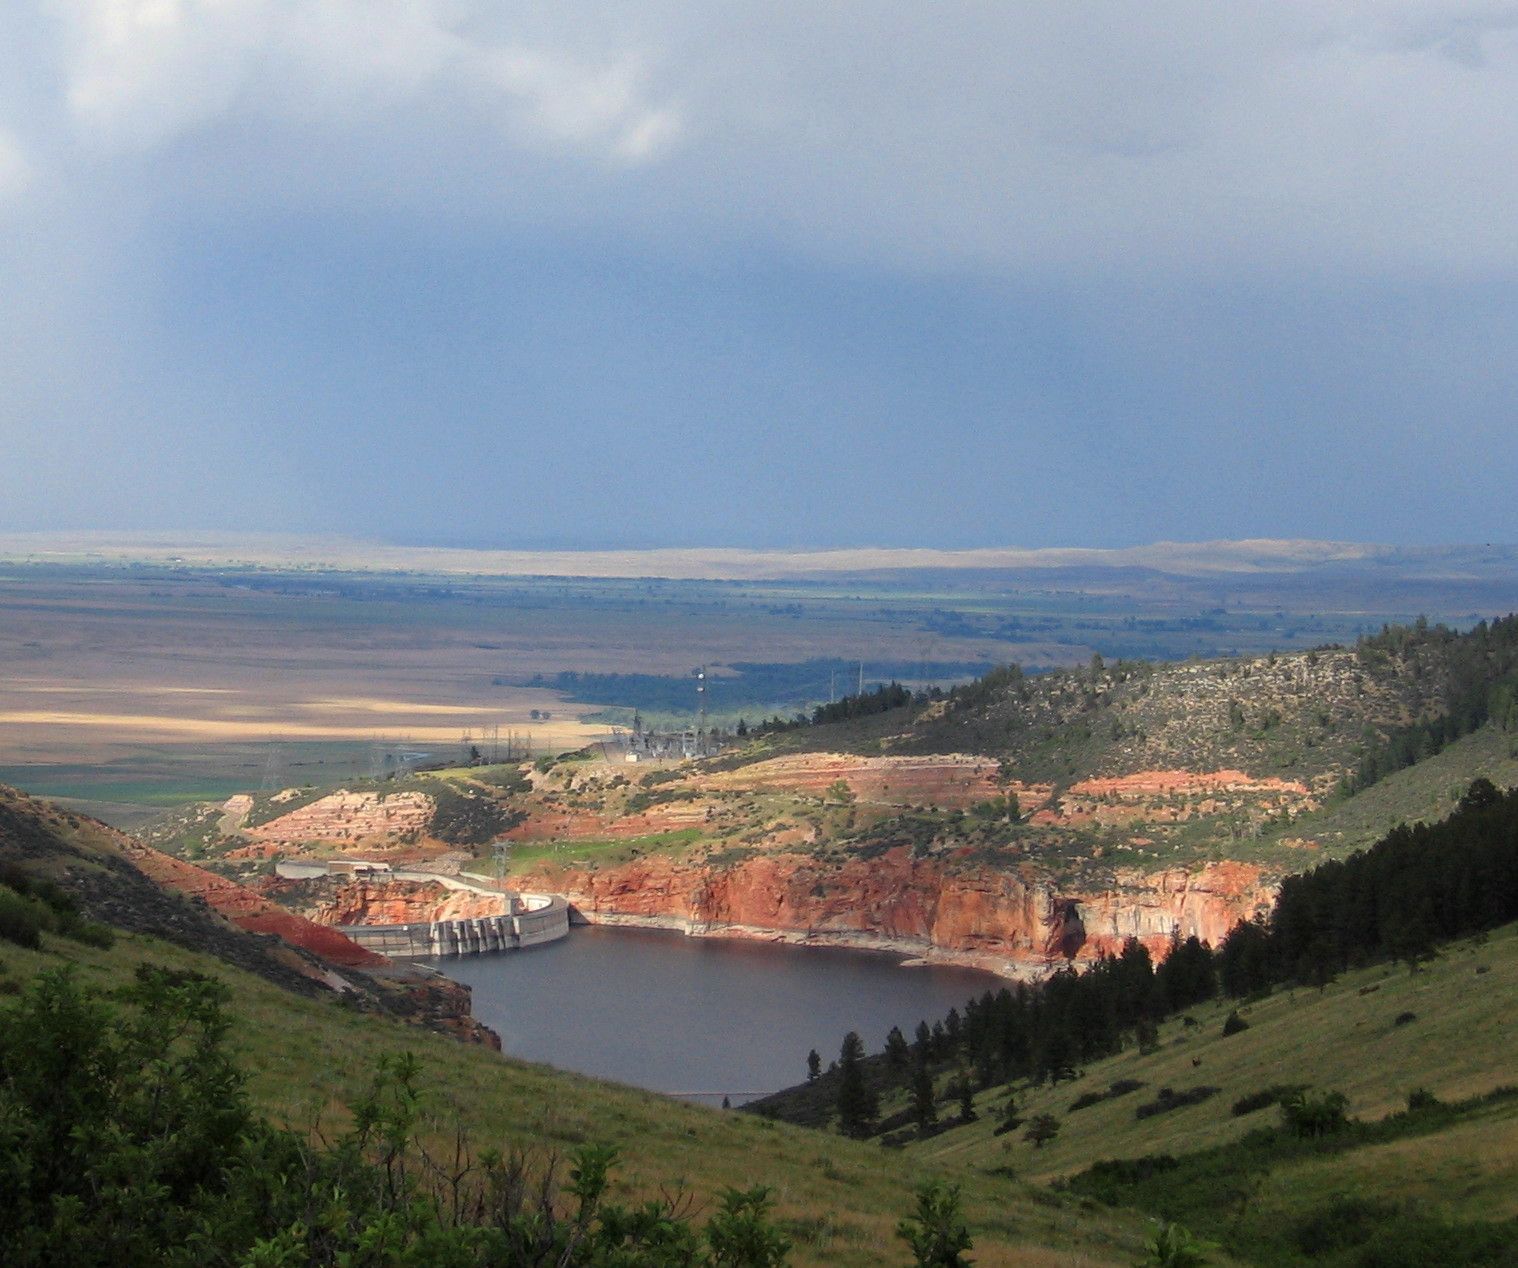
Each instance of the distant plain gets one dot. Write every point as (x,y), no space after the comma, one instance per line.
(133,676)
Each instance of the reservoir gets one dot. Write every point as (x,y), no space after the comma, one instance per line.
(699,1017)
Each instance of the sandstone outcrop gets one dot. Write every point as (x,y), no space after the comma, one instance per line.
(348,817)
(1017,923)
(952,781)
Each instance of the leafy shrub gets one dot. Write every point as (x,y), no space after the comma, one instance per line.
(1420,1098)
(1402,1019)
(91,934)
(936,1232)
(1408,1240)
(1172,1246)
(1233,1024)
(1111,1180)
(129,1140)
(21,919)
(30,907)
(1311,1116)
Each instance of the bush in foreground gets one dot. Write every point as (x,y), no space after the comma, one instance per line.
(127,1139)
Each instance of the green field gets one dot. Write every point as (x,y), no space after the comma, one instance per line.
(609,850)
(165,775)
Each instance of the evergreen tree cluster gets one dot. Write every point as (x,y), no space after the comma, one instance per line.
(882,699)
(879,699)
(1480,669)
(1416,887)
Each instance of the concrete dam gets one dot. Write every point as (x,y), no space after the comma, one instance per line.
(524,920)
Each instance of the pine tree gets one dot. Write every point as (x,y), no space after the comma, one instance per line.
(966,1099)
(857,1104)
(924,1106)
(1042,1128)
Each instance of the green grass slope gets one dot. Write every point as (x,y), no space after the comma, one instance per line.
(1458,1044)
(839,1200)
(1425,792)
(309,1054)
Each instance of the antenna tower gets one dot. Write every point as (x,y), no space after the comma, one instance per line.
(701,702)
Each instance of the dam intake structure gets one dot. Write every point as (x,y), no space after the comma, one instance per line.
(525,920)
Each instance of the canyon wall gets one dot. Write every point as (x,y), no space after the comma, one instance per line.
(1018,924)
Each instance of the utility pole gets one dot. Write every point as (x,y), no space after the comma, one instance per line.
(861,678)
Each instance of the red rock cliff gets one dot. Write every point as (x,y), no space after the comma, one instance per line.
(1018,923)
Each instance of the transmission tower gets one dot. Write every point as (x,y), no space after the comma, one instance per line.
(500,850)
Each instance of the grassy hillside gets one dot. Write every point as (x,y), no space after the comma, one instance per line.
(839,1200)
(1424,792)
(1457,1041)
(308,1055)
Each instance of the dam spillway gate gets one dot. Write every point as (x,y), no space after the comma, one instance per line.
(470,935)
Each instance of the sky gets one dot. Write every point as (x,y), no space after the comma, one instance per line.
(760,274)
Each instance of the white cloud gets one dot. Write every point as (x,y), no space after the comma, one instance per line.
(1171,135)
(140,73)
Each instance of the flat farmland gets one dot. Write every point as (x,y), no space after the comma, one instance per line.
(133,685)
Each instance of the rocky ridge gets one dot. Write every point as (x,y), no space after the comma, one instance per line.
(134,888)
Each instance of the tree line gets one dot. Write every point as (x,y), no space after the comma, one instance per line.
(864,704)
(1480,669)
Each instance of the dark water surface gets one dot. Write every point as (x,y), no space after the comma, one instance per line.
(698,1015)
